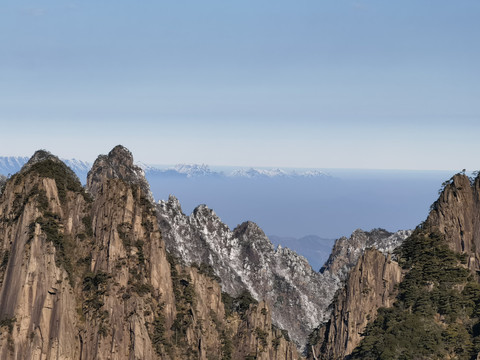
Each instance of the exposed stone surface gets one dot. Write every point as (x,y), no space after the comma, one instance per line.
(347,251)
(371,284)
(246,259)
(456,214)
(85,277)
(118,164)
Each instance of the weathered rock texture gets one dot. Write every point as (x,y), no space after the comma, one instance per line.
(85,275)
(347,251)
(246,259)
(456,214)
(118,164)
(371,284)
(368,276)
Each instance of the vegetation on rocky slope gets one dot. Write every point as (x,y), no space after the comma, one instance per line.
(437,311)
(123,297)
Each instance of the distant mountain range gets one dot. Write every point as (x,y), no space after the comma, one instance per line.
(202,170)
(10,165)
(13,164)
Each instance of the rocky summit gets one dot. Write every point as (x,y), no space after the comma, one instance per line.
(246,259)
(84,274)
(103,272)
(422,303)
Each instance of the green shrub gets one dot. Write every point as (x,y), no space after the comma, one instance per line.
(65,178)
(87,223)
(5,257)
(431,288)
(8,323)
(261,336)
(240,304)
(64,246)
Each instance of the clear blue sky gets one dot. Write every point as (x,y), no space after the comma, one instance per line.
(305,83)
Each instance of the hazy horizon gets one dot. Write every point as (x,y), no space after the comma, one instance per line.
(344,84)
(223,167)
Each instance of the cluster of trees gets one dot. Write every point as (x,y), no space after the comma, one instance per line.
(437,311)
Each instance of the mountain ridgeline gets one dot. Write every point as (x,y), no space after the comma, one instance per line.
(421,303)
(103,272)
(84,274)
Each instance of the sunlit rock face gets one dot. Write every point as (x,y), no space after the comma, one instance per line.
(456,214)
(246,259)
(371,284)
(84,274)
(347,251)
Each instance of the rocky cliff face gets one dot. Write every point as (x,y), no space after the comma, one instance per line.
(347,251)
(368,278)
(246,259)
(456,214)
(371,284)
(118,164)
(85,275)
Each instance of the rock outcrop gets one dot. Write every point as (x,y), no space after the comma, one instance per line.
(246,259)
(86,275)
(371,284)
(455,217)
(117,164)
(456,214)
(347,251)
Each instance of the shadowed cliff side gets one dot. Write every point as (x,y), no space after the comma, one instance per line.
(371,284)
(456,214)
(434,311)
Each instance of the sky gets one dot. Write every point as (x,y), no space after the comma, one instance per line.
(305,83)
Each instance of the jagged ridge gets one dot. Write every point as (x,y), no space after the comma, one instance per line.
(246,259)
(88,277)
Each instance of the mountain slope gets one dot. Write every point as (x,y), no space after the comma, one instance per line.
(10,165)
(86,275)
(246,259)
(346,251)
(436,310)
(456,214)
(371,284)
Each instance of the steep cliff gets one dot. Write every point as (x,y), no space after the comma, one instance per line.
(41,212)
(246,259)
(456,214)
(371,284)
(85,275)
(434,311)
(346,251)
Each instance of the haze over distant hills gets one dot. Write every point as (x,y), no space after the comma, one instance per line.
(291,202)
(10,165)
(315,249)
(13,164)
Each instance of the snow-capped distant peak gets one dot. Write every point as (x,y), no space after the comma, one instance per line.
(252,173)
(144,166)
(13,164)
(270,173)
(77,165)
(192,170)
